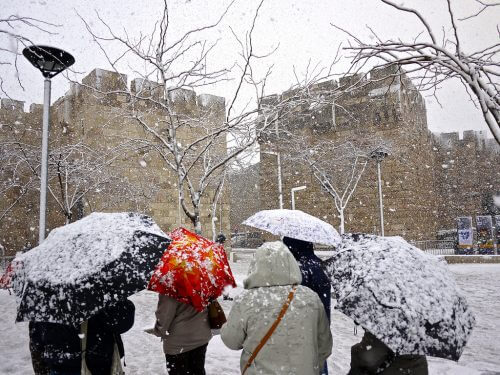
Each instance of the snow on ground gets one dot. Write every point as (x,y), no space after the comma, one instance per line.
(480,283)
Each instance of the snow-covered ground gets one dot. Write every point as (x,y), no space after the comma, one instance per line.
(480,282)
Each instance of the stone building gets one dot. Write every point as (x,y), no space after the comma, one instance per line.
(427,180)
(96,113)
(467,175)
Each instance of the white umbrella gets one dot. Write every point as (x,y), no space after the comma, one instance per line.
(294,224)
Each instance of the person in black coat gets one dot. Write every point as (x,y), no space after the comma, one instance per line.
(60,344)
(371,356)
(313,274)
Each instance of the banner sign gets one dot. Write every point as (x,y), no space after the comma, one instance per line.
(484,229)
(464,231)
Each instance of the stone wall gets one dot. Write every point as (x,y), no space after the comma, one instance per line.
(97,113)
(420,195)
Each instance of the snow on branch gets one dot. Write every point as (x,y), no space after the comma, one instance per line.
(431,61)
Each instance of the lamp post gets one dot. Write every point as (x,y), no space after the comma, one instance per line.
(280,186)
(379,154)
(50,61)
(293,194)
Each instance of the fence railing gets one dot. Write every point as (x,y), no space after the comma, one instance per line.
(434,244)
(434,247)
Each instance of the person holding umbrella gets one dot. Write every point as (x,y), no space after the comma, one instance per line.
(280,325)
(299,231)
(407,302)
(192,273)
(80,276)
(313,275)
(372,356)
(185,333)
(61,348)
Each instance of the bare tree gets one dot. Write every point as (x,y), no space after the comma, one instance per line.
(337,166)
(431,60)
(12,43)
(192,144)
(76,172)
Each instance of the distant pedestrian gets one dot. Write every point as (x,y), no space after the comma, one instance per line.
(301,340)
(59,345)
(371,356)
(185,333)
(313,274)
(221,238)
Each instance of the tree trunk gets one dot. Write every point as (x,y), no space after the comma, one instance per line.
(342,222)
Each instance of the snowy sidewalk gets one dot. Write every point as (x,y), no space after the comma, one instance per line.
(144,355)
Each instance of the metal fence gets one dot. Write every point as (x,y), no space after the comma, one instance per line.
(436,247)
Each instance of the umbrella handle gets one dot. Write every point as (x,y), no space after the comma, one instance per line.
(83,332)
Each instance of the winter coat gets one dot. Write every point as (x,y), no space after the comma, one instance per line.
(60,344)
(311,268)
(181,327)
(372,356)
(302,341)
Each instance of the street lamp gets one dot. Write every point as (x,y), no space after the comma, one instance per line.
(280,187)
(293,194)
(379,154)
(50,61)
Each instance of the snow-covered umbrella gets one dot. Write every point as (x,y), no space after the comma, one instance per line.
(406,298)
(87,265)
(193,270)
(294,224)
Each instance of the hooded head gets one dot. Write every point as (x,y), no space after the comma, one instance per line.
(298,247)
(273,265)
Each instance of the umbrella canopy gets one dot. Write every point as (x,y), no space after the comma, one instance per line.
(193,270)
(85,266)
(406,298)
(294,224)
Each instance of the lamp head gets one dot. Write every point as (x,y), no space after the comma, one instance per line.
(379,153)
(49,60)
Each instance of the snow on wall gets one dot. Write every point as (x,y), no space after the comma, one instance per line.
(207,100)
(179,95)
(385,90)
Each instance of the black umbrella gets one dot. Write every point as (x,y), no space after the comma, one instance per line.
(87,265)
(406,298)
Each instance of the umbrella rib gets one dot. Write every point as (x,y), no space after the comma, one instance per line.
(382,303)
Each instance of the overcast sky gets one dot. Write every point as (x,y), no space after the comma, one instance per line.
(301,28)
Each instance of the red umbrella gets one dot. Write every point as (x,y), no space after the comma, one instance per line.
(193,270)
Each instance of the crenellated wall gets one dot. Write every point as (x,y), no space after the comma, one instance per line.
(420,195)
(97,113)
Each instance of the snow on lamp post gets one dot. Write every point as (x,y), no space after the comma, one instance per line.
(379,154)
(50,61)
(280,186)
(293,194)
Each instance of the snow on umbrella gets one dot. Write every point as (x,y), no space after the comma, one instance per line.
(192,270)
(406,298)
(294,224)
(87,265)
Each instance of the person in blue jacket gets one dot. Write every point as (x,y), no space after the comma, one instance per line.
(313,274)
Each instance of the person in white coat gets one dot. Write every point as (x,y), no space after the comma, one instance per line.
(302,340)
